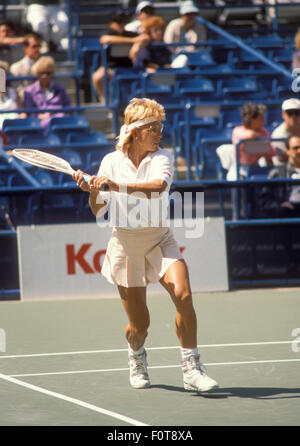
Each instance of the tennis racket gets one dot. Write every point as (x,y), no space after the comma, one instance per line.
(48,161)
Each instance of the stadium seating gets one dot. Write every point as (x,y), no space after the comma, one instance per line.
(15,128)
(39,140)
(61,126)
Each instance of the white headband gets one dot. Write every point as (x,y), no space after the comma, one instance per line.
(125,129)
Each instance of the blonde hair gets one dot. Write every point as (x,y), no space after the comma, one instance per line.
(297,40)
(44,63)
(139,109)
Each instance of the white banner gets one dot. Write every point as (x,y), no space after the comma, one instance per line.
(64,261)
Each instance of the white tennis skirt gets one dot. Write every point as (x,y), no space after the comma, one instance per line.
(136,257)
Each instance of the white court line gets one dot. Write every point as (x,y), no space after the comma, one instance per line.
(73,401)
(87,352)
(74,372)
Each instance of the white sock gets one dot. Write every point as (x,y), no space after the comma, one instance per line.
(137,352)
(187,352)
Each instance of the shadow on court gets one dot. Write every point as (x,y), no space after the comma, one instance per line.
(263,393)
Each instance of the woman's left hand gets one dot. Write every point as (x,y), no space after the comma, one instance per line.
(97,183)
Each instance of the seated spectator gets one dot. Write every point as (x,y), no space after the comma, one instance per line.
(48,18)
(296,55)
(9,42)
(44,93)
(152,57)
(185,28)
(116,35)
(22,67)
(8,100)
(281,201)
(290,126)
(144,10)
(253,128)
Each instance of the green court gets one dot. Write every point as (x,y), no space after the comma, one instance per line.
(65,363)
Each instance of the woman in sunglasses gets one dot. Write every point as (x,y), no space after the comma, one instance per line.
(44,93)
(142,248)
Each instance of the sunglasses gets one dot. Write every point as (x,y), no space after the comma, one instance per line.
(156,128)
(293,112)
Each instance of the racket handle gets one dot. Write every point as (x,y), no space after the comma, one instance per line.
(87,178)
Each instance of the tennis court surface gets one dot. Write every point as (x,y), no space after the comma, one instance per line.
(65,363)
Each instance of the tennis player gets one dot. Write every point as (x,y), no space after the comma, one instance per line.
(138,254)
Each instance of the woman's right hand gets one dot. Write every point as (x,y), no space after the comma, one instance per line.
(78,177)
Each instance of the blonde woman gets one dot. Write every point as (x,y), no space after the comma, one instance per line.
(138,254)
(44,93)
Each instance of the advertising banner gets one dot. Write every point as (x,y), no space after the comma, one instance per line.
(64,261)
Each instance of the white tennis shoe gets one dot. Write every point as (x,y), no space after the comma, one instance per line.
(194,376)
(138,374)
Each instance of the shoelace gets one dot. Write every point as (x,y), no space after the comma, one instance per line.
(138,365)
(193,363)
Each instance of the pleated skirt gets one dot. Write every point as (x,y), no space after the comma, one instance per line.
(137,257)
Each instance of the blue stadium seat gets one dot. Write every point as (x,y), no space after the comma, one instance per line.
(54,208)
(63,125)
(88,139)
(200,88)
(239,86)
(273,117)
(44,178)
(15,128)
(94,158)
(230,118)
(204,150)
(16,180)
(74,158)
(38,140)
(200,59)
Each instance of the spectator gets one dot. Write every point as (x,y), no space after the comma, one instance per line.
(290,126)
(44,93)
(31,48)
(252,128)
(152,57)
(185,28)
(282,201)
(48,19)
(8,100)
(144,10)
(116,35)
(9,42)
(296,55)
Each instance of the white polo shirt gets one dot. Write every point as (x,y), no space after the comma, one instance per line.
(136,210)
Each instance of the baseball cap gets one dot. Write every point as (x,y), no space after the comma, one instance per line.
(143,5)
(291,104)
(188,7)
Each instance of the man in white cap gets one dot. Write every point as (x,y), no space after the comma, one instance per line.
(186,28)
(289,127)
(144,10)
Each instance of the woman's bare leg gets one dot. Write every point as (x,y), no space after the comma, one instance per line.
(176,282)
(134,303)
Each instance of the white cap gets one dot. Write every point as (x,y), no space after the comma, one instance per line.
(291,104)
(188,7)
(143,5)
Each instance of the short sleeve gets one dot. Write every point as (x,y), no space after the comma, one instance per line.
(162,167)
